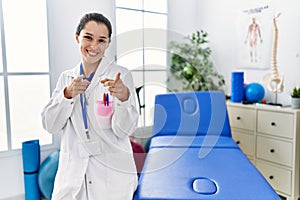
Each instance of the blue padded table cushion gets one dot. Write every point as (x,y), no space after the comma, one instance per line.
(223,174)
(191,113)
(193,141)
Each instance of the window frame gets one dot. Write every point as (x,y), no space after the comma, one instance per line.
(144,69)
(5,74)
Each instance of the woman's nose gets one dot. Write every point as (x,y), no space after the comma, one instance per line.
(95,45)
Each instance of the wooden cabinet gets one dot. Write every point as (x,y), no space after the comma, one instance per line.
(269,136)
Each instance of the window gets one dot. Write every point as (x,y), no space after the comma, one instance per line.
(141,40)
(24,72)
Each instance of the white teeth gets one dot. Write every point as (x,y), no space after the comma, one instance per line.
(92,53)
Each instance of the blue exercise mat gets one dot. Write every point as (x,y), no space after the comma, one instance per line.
(31,156)
(31,163)
(32,191)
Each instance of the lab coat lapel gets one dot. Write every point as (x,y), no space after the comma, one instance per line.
(77,112)
(103,65)
(77,117)
(75,72)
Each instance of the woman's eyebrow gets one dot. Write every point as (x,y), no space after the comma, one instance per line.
(87,33)
(103,37)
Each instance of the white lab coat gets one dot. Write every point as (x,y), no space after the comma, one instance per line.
(101,167)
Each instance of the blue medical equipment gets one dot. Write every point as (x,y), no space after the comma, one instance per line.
(192,154)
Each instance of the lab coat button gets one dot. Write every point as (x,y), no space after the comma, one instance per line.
(90,182)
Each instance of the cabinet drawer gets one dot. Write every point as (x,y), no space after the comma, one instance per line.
(245,142)
(277,151)
(242,118)
(280,179)
(275,123)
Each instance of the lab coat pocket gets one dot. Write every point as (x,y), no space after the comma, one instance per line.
(104,114)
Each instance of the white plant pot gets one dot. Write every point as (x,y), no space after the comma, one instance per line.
(296,103)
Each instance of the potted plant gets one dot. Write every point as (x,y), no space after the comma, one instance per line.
(191,63)
(296,98)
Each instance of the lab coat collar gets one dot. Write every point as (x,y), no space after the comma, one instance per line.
(102,67)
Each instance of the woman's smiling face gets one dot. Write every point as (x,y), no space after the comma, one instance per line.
(93,40)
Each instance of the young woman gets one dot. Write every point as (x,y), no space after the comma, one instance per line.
(93,108)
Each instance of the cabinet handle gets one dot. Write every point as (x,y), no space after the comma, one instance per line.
(273,124)
(272,150)
(238,117)
(271,177)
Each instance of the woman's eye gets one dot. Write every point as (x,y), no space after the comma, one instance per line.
(102,41)
(87,37)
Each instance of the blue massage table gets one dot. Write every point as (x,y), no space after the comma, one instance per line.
(192,155)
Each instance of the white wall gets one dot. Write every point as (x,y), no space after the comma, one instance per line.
(218,18)
(182,16)
(63,17)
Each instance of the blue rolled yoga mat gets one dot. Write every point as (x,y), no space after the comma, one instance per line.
(32,191)
(31,164)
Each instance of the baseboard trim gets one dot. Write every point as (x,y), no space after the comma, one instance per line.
(19,197)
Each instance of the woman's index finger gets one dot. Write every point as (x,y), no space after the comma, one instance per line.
(117,77)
